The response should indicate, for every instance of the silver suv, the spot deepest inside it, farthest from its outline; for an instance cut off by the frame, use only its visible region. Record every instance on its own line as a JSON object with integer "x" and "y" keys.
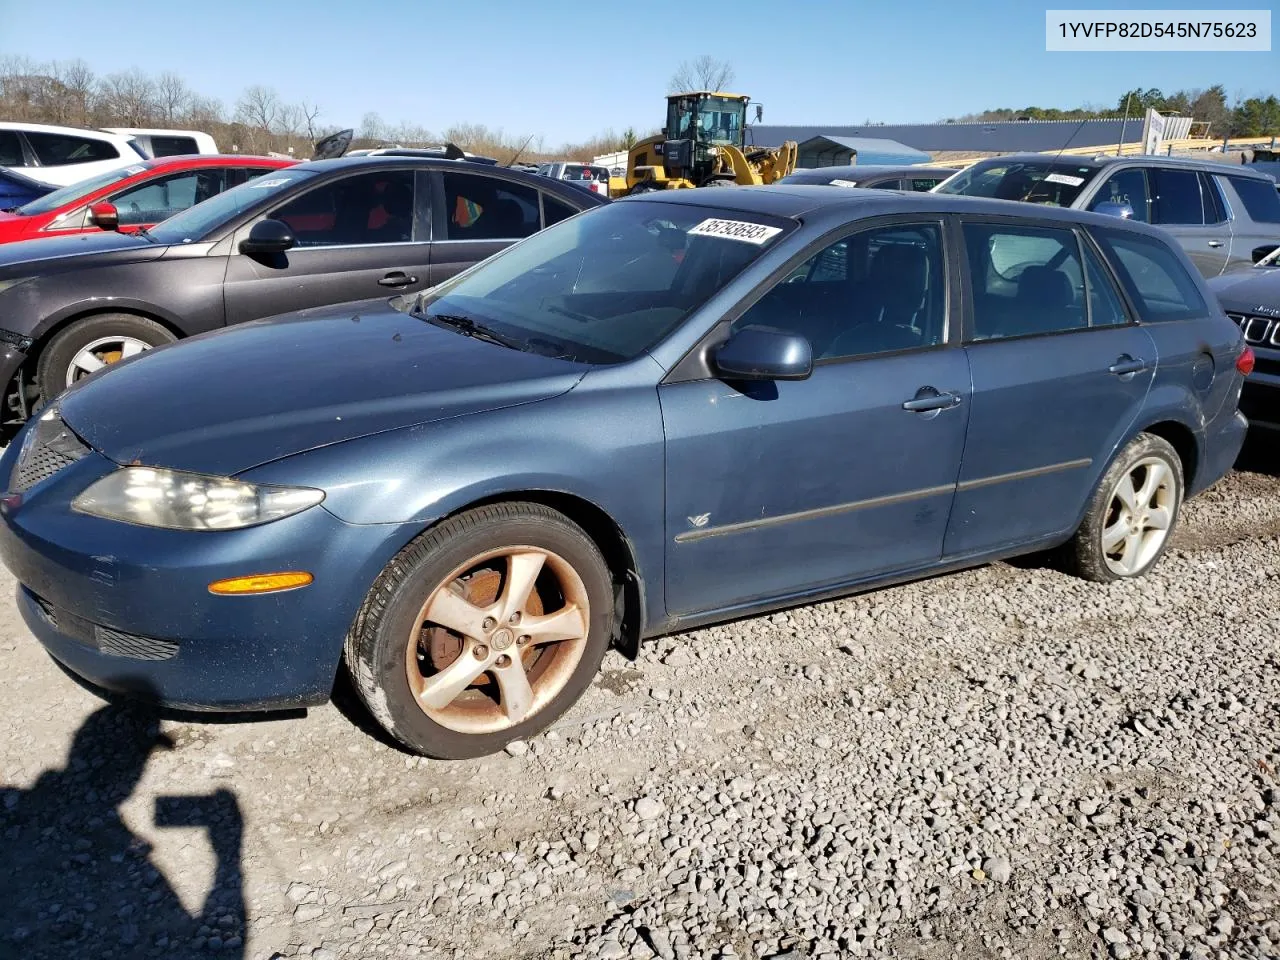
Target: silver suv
{"x": 1226, "y": 216}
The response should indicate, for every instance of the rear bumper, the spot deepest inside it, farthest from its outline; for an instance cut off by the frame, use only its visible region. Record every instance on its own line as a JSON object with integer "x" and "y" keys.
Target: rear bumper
{"x": 128, "y": 608}
{"x": 1222, "y": 448}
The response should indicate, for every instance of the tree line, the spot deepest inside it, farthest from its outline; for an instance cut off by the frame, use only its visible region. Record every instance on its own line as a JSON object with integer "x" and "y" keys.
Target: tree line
{"x": 1257, "y": 116}
{"x": 69, "y": 93}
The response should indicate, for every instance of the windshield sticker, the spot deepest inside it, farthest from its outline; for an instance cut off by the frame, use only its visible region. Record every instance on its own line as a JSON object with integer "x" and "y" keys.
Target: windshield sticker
{"x": 843, "y": 183}
{"x": 1070, "y": 181}
{"x": 273, "y": 182}
{"x": 756, "y": 233}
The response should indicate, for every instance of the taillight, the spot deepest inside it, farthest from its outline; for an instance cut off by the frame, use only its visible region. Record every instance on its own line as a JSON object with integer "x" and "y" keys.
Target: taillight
{"x": 1244, "y": 362}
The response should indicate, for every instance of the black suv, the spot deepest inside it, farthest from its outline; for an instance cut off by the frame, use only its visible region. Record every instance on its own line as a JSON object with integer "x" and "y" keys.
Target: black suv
{"x": 315, "y": 234}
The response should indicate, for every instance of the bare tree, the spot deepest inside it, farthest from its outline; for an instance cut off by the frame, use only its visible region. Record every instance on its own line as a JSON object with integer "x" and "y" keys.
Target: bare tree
{"x": 702, "y": 73}
{"x": 372, "y": 127}
{"x": 310, "y": 111}
{"x": 129, "y": 97}
{"x": 258, "y": 109}
{"x": 79, "y": 83}
{"x": 173, "y": 97}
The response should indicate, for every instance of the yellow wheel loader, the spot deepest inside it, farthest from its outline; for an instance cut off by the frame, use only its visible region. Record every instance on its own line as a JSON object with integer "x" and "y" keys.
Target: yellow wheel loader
{"x": 703, "y": 145}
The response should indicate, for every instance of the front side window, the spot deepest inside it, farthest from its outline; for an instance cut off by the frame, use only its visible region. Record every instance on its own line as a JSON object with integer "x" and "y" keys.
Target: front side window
{"x": 1030, "y": 181}
{"x": 162, "y": 198}
{"x": 365, "y": 208}
{"x": 488, "y": 208}
{"x": 1125, "y": 187}
{"x": 77, "y": 191}
{"x": 1153, "y": 276}
{"x": 608, "y": 285}
{"x": 1025, "y": 280}
{"x": 1178, "y": 199}
{"x": 877, "y": 291}
{"x": 59, "y": 149}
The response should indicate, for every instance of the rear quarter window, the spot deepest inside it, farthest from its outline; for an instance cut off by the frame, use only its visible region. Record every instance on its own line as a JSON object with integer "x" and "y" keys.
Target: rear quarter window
{"x": 1261, "y": 199}
{"x": 1153, "y": 276}
{"x": 56, "y": 149}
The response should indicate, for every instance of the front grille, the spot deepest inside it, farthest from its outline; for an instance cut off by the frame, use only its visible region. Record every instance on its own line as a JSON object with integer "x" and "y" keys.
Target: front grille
{"x": 50, "y": 448}
{"x": 1258, "y": 331}
{"x": 114, "y": 643}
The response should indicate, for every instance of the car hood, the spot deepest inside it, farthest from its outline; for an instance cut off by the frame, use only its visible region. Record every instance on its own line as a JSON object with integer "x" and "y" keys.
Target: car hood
{"x": 1255, "y": 291}
{"x": 227, "y": 401}
{"x": 106, "y": 245}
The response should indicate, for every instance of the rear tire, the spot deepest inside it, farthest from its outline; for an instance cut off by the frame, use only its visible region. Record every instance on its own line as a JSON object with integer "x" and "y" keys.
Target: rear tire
{"x": 448, "y": 657}
{"x": 89, "y": 344}
{"x": 1132, "y": 514}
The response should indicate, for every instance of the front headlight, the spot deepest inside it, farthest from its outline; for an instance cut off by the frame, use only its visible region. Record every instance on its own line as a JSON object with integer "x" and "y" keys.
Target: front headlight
{"x": 175, "y": 500}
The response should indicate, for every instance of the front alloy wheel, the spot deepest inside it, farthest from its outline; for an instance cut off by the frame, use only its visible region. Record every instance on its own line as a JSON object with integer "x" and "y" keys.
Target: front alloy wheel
{"x": 482, "y": 631}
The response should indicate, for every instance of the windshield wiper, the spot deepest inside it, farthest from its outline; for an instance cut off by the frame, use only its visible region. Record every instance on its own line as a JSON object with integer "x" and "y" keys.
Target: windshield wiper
{"x": 469, "y": 328}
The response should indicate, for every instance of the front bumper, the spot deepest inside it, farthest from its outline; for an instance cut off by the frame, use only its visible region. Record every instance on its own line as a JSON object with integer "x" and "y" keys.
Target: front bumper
{"x": 128, "y": 608}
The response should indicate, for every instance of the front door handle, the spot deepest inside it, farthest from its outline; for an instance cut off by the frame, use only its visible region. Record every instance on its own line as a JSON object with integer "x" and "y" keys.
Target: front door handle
{"x": 927, "y": 399}
{"x": 1215, "y": 243}
{"x": 1127, "y": 366}
{"x": 397, "y": 279}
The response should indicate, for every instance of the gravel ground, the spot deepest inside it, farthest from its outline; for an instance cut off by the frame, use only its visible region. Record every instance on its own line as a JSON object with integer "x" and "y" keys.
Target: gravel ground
{"x": 1006, "y": 762}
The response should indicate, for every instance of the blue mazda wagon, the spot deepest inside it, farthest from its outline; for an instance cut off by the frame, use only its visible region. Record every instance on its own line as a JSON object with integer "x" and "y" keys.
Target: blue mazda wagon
{"x": 672, "y": 410}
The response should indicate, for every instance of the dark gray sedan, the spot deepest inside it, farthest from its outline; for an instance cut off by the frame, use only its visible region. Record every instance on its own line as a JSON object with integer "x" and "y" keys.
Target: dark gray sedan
{"x": 881, "y": 177}
{"x": 309, "y": 235}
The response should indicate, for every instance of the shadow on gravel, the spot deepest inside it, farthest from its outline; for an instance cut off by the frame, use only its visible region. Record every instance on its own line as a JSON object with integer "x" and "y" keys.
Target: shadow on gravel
{"x": 77, "y": 882}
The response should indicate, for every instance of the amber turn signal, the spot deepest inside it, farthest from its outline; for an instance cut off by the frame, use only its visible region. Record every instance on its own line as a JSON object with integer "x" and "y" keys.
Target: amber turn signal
{"x": 262, "y": 583}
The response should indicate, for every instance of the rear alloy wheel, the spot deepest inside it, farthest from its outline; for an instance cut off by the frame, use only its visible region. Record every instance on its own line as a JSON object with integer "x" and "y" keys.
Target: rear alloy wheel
{"x": 88, "y": 345}
{"x": 483, "y": 631}
{"x": 1132, "y": 513}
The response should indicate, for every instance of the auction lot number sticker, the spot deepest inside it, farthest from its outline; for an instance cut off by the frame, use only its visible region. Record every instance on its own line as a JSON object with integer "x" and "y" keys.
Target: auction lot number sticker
{"x": 756, "y": 233}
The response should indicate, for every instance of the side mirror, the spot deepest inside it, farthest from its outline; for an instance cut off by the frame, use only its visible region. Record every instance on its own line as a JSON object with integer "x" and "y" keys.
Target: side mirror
{"x": 104, "y": 215}
{"x": 267, "y": 236}
{"x": 1110, "y": 209}
{"x": 762, "y": 353}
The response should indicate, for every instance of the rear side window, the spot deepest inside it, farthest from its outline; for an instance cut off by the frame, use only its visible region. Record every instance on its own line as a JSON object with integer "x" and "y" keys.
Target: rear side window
{"x": 173, "y": 146}
{"x": 555, "y": 210}
{"x": 1260, "y": 199}
{"x": 1178, "y": 199}
{"x": 10, "y": 150}
{"x": 1025, "y": 280}
{"x": 487, "y": 208}
{"x": 56, "y": 149}
{"x": 1153, "y": 276}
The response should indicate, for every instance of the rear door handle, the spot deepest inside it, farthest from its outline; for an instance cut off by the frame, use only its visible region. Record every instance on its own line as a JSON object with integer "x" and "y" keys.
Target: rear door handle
{"x": 926, "y": 401}
{"x": 1127, "y": 366}
{"x": 397, "y": 279}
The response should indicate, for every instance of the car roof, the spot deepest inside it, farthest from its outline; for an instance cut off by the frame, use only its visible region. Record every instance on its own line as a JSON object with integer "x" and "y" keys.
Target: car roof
{"x": 430, "y": 163}
{"x": 798, "y": 201}
{"x": 70, "y": 131}
{"x": 1100, "y": 161}
{"x": 215, "y": 160}
{"x": 854, "y": 170}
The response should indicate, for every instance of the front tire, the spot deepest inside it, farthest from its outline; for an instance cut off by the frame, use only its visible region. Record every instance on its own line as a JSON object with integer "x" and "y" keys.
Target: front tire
{"x": 1132, "y": 513}
{"x": 484, "y": 630}
{"x": 88, "y": 345}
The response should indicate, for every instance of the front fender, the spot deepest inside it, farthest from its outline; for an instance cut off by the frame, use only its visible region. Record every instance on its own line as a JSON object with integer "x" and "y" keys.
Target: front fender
{"x": 604, "y": 447}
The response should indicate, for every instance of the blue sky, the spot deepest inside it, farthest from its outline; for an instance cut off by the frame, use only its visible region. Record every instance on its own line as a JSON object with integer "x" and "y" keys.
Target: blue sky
{"x": 568, "y": 70}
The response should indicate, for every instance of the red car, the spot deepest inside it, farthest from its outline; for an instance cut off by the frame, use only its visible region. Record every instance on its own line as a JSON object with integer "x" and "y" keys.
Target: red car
{"x": 140, "y": 195}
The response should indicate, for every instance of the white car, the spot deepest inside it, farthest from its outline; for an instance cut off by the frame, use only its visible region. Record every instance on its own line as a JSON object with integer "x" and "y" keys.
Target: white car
{"x": 168, "y": 143}
{"x": 64, "y": 155}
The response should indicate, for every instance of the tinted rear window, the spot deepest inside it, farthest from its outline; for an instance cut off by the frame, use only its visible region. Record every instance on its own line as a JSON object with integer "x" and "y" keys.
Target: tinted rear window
{"x": 1260, "y": 199}
{"x": 1153, "y": 276}
{"x": 173, "y": 146}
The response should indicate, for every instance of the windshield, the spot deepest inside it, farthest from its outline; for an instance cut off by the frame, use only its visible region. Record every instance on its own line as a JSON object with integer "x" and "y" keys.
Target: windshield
{"x": 70, "y": 194}
{"x": 1031, "y": 181}
{"x": 720, "y": 120}
{"x": 607, "y": 285}
{"x": 196, "y": 222}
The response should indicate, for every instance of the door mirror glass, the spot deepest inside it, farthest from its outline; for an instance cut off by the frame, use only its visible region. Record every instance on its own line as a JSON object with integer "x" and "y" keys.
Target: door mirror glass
{"x": 762, "y": 353}
{"x": 1111, "y": 209}
{"x": 267, "y": 236}
{"x": 104, "y": 216}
